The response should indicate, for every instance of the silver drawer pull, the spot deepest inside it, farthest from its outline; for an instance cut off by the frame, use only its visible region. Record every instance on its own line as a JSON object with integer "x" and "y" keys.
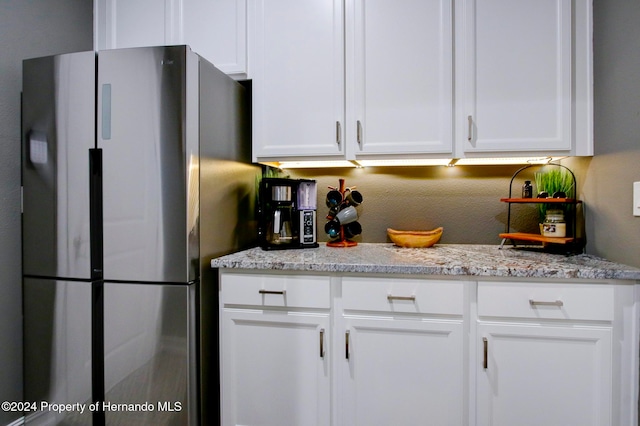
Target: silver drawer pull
{"x": 391, "y": 298}
{"x": 534, "y": 303}
{"x": 322, "y": 343}
{"x": 282, "y": 292}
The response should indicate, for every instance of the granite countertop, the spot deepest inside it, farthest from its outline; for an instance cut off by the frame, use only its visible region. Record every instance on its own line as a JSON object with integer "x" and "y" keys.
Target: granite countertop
{"x": 441, "y": 259}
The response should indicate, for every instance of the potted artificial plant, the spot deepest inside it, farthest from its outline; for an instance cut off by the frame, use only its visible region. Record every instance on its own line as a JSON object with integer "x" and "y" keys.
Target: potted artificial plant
{"x": 555, "y": 182}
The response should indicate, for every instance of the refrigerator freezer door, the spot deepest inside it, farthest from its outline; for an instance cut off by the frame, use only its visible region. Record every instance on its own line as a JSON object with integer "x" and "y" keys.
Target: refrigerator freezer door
{"x": 57, "y": 349}
{"x": 150, "y": 354}
{"x": 150, "y": 165}
{"x": 58, "y": 98}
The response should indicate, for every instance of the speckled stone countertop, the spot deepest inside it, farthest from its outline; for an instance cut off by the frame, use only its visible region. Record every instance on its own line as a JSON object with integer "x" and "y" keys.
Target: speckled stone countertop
{"x": 441, "y": 259}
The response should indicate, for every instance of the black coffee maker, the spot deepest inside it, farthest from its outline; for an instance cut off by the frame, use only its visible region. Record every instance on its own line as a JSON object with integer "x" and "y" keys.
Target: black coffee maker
{"x": 287, "y": 213}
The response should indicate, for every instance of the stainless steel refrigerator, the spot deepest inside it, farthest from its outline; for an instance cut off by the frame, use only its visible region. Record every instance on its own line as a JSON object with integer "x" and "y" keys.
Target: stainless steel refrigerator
{"x": 136, "y": 172}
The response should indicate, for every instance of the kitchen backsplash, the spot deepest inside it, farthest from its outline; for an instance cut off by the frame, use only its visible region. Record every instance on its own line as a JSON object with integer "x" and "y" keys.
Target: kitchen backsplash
{"x": 465, "y": 200}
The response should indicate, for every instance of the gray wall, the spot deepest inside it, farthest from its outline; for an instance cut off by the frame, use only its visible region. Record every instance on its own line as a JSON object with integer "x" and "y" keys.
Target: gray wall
{"x": 28, "y": 28}
{"x": 464, "y": 200}
{"x": 615, "y": 233}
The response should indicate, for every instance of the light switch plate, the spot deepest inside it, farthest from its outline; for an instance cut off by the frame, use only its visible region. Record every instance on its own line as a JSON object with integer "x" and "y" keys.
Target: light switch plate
{"x": 636, "y": 198}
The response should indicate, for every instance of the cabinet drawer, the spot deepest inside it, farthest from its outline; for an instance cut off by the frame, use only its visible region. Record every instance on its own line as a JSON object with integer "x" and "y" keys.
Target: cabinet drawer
{"x": 546, "y": 300}
{"x": 403, "y": 295}
{"x": 297, "y": 291}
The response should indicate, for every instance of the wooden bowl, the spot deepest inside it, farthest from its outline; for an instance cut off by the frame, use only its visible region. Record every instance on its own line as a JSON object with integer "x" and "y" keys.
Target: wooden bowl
{"x": 415, "y": 239}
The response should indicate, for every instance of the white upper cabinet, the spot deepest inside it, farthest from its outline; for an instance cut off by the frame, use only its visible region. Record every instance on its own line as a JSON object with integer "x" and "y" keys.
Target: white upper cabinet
{"x": 521, "y": 77}
{"x": 215, "y": 29}
{"x": 297, "y": 54}
{"x": 392, "y": 95}
{"x": 379, "y": 79}
{"x": 420, "y": 78}
{"x": 122, "y": 23}
{"x": 400, "y": 74}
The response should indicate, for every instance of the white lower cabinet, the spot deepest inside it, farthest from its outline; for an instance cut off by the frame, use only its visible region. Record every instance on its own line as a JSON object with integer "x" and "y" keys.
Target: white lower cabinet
{"x": 537, "y": 375}
{"x": 274, "y": 350}
{"x": 403, "y": 372}
{"x": 362, "y": 350}
{"x": 546, "y": 354}
{"x": 404, "y": 351}
{"x": 274, "y": 373}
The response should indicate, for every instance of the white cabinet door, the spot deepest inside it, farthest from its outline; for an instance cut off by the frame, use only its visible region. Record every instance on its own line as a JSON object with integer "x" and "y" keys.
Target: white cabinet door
{"x": 400, "y": 70}
{"x": 516, "y": 76}
{"x": 274, "y": 346}
{"x": 131, "y": 23}
{"x": 400, "y": 349}
{"x": 274, "y": 368}
{"x": 298, "y": 78}
{"x": 403, "y": 372}
{"x": 215, "y": 29}
{"x": 521, "y": 83}
{"x": 544, "y": 375}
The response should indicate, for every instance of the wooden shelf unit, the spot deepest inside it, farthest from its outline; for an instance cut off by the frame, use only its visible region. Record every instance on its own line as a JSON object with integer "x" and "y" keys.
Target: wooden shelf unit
{"x": 523, "y": 236}
{"x": 541, "y": 200}
{"x": 529, "y": 237}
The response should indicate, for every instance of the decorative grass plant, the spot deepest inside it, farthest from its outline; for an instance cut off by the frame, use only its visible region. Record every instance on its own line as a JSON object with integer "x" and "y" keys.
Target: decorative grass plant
{"x": 551, "y": 181}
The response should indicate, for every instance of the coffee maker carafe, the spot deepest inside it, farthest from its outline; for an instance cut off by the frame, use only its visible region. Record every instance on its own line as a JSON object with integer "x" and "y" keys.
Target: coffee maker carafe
{"x": 280, "y": 227}
{"x": 287, "y": 213}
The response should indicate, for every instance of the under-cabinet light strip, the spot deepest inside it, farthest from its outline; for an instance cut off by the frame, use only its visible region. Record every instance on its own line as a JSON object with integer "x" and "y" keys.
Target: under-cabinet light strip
{"x": 413, "y": 162}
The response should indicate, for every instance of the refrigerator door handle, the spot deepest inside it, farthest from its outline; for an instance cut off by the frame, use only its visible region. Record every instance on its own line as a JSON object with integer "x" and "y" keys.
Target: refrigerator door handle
{"x": 95, "y": 212}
